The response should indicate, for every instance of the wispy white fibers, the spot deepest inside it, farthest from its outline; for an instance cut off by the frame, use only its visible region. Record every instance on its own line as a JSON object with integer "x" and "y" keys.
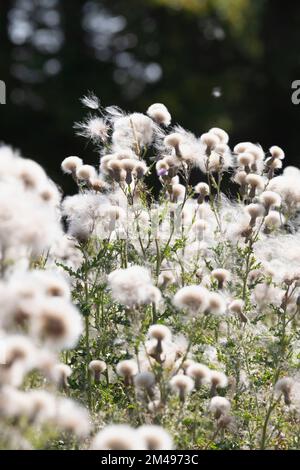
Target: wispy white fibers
{"x": 133, "y": 286}
{"x": 28, "y": 224}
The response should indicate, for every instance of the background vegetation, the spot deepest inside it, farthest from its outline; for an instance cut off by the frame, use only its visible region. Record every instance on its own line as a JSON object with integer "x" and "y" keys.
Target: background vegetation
{"x": 228, "y": 63}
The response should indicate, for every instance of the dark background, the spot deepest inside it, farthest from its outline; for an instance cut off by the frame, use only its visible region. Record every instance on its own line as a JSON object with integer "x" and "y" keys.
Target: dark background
{"x": 132, "y": 53}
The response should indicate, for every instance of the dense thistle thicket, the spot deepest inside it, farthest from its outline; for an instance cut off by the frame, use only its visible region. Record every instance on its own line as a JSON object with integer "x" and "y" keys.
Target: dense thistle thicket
{"x": 154, "y": 321}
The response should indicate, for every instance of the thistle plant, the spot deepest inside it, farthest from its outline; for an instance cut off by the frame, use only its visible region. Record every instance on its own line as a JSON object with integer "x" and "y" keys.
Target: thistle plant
{"x": 158, "y": 307}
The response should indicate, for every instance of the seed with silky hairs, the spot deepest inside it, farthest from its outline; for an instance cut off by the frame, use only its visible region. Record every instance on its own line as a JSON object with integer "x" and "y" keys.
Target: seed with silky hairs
{"x": 60, "y": 374}
{"x": 71, "y": 164}
{"x": 174, "y": 140}
{"x": 236, "y": 307}
{"x": 222, "y": 276}
{"x": 156, "y": 437}
{"x": 217, "y": 380}
{"x": 199, "y": 372}
{"x": 183, "y": 385}
{"x": 202, "y": 189}
{"x": 284, "y": 386}
{"x": 97, "y": 368}
{"x": 127, "y": 369}
{"x": 219, "y": 406}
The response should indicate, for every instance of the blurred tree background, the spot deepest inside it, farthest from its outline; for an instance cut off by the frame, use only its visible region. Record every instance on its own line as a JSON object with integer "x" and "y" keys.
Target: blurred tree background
{"x": 227, "y": 63}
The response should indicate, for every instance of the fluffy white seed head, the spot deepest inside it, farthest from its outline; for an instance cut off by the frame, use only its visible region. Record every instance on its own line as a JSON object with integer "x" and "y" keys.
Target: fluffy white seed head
{"x": 255, "y": 181}
{"x": 236, "y": 306}
{"x": 245, "y": 159}
{"x": 270, "y": 199}
{"x": 173, "y": 140}
{"x": 178, "y": 192}
{"x": 166, "y": 278}
{"x": 200, "y": 373}
{"x": 133, "y": 286}
{"x": 216, "y": 304}
{"x": 219, "y": 406}
{"x": 60, "y": 374}
{"x": 182, "y": 384}
{"x": 85, "y": 172}
{"x": 160, "y": 332}
{"x": 118, "y": 437}
{"x": 202, "y": 189}
{"x": 255, "y": 210}
{"x": 242, "y": 147}
{"x": 159, "y": 113}
{"x": 284, "y": 386}
{"x": 221, "y": 275}
{"x": 273, "y": 220}
{"x": 210, "y": 140}
{"x": 127, "y": 368}
{"x": 240, "y": 178}
{"x": 97, "y": 366}
{"x": 193, "y": 298}
{"x": 144, "y": 380}
{"x": 221, "y": 134}
{"x": 71, "y": 164}
{"x": 277, "y": 152}
{"x": 57, "y": 323}
{"x": 218, "y": 379}
{"x": 155, "y": 437}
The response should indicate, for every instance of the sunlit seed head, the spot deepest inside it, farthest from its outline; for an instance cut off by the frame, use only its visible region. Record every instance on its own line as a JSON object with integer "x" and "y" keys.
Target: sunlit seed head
{"x": 58, "y": 323}
{"x": 91, "y": 101}
{"x": 184, "y": 365}
{"x": 242, "y": 147}
{"x": 245, "y": 159}
{"x": 60, "y": 375}
{"x": 85, "y": 172}
{"x": 220, "y": 133}
{"x": 177, "y": 192}
{"x": 97, "y": 368}
{"x": 160, "y": 332}
{"x": 218, "y": 380}
{"x": 159, "y": 113}
{"x": 144, "y": 380}
{"x": 118, "y": 437}
{"x": 284, "y": 386}
{"x": 270, "y": 199}
{"x": 127, "y": 369}
{"x": 202, "y": 189}
{"x": 155, "y": 437}
{"x": 200, "y": 373}
{"x": 255, "y": 180}
{"x": 210, "y": 140}
{"x": 166, "y": 278}
{"x": 173, "y": 140}
{"x": 255, "y": 210}
{"x": 236, "y": 306}
{"x": 240, "y": 178}
{"x": 140, "y": 170}
{"x": 193, "y": 298}
{"x": 72, "y": 418}
{"x": 219, "y": 406}
{"x": 98, "y": 185}
{"x": 221, "y": 275}
{"x": 71, "y": 164}
{"x": 182, "y": 385}
{"x": 216, "y": 304}
{"x": 277, "y": 152}
{"x": 273, "y": 220}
